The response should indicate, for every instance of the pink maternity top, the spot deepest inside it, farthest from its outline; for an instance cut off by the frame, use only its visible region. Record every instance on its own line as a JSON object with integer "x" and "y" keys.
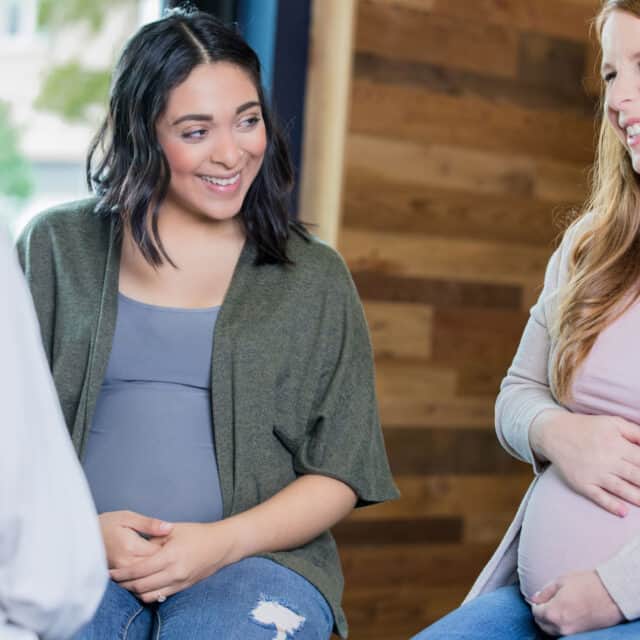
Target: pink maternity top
{"x": 562, "y": 531}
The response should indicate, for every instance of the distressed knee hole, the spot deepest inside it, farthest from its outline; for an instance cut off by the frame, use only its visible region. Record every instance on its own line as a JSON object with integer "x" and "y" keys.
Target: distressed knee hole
{"x": 275, "y": 615}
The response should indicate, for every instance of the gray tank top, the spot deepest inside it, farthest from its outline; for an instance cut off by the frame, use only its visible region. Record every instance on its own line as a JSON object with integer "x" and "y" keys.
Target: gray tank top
{"x": 150, "y": 448}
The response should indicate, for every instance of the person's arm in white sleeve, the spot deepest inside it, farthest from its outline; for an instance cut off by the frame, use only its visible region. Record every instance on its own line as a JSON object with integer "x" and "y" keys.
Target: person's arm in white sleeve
{"x": 52, "y": 565}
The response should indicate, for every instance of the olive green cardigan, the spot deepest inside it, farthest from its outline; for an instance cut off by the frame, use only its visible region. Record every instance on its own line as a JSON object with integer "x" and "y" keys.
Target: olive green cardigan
{"x": 292, "y": 375}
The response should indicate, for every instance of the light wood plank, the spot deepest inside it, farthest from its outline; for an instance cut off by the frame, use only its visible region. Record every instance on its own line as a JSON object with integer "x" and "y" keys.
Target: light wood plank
{"x": 325, "y": 117}
{"x": 428, "y": 257}
{"x": 400, "y": 330}
{"x": 466, "y": 169}
{"x": 377, "y": 204}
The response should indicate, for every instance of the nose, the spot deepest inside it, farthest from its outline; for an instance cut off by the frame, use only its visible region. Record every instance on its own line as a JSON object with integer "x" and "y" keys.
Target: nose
{"x": 226, "y": 150}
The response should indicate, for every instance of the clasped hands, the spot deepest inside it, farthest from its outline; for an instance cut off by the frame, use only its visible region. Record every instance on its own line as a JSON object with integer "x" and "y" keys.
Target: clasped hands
{"x": 170, "y": 558}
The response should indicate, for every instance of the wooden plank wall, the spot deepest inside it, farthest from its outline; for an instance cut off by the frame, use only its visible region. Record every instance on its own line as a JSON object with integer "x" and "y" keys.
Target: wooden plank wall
{"x": 471, "y": 128}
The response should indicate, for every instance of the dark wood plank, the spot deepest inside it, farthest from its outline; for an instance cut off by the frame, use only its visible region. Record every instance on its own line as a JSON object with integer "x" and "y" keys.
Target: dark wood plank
{"x": 468, "y": 496}
{"x": 431, "y": 530}
{"x": 460, "y": 82}
{"x": 564, "y": 18}
{"x": 454, "y": 565}
{"x": 436, "y": 451}
{"x": 484, "y": 336}
{"x": 437, "y": 292}
{"x": 397, "y": 612}
{"x": 398, "y": 33}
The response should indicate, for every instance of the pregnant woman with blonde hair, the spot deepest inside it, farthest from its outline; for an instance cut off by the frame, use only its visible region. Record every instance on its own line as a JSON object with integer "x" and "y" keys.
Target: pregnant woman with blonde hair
{"x": 569, "y": 564}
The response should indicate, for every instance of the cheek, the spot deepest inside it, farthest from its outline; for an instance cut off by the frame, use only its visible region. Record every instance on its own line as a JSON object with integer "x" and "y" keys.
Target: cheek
{"x": 612, "y": 116}
{"x": 257, "y": 144}
{"x": 179, "y": 156}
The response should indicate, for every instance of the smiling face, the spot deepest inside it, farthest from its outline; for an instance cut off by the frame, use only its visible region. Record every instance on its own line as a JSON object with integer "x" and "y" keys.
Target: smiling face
{"x": 214, "y": 138}
{"x": 621, "y": 74}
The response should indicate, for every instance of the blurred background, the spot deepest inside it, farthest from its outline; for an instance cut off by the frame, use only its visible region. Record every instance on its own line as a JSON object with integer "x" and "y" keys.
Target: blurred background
{"x": 440, "y": 145}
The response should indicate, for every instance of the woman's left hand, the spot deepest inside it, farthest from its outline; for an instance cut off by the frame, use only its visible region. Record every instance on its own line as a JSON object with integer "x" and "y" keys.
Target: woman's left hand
{"x": 192, "y": 552}
{"x": 574, "y": 603}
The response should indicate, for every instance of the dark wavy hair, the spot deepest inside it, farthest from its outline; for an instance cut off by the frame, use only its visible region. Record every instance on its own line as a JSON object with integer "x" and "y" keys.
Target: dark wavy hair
{"x": 131, "y": 177}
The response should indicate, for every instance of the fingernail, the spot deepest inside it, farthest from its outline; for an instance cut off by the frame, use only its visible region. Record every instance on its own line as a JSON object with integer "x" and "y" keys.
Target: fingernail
{"x": 622, "y": 512}
{"x": 165, "y": 526}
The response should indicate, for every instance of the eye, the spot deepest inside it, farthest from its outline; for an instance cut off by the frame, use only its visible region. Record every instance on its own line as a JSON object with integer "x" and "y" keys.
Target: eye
{"x": 196, "y": 134}
{"x": 609, "y": 76}
{"x": 250, "y": 122}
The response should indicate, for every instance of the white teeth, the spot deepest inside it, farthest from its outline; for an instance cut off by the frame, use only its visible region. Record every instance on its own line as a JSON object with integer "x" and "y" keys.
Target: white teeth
{"x": 222, "y": 182}
{"x": 633, "y": 130}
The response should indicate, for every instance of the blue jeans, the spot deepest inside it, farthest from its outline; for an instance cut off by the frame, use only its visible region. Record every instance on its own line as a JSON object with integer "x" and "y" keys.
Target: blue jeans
{"x": 505, "y": 615}
{"x": 254, "y": 599}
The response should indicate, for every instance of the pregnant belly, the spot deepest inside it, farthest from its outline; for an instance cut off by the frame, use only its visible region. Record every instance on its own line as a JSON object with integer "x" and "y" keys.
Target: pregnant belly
{"x": 150, "y": 450}
{"x": 564, "y": 532}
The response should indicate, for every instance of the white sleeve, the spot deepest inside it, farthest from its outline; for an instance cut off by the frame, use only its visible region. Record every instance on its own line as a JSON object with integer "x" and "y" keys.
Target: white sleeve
{"x": 52, "y": 563}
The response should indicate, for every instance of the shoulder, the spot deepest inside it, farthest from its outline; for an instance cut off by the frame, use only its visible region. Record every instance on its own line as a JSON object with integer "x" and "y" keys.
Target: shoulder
{"x": 79, "y": 214}
{"x": 561, "y": 260}
{"x": 314, "y": 257}
{"x": 316, "y": 282}
{"x": 68, "y": 226}
{"x": 581, "y": 225}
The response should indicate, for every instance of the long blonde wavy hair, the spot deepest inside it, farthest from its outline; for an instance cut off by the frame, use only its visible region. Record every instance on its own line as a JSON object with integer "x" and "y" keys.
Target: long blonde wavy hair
{"x": 604, "y": 266}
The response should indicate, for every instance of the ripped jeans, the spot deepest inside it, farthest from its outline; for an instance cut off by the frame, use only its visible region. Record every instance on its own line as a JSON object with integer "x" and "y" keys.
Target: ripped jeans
{"x": 254, "y": 599}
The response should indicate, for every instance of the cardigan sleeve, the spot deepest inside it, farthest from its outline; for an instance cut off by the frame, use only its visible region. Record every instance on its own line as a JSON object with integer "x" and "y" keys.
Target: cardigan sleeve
{"x": 343, "y": 438}
{"x": 525, "y": 391}
{"x": 36, "y": 256}
{"x": 620, "y": 574}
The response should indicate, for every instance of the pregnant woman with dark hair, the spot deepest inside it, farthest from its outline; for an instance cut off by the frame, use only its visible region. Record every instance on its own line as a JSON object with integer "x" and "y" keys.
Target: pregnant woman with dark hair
{"x": 211, "y": 357}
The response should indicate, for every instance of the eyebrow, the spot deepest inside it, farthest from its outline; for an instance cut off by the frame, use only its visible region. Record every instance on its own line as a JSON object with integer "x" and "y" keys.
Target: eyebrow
{"x": 203, "y": 117}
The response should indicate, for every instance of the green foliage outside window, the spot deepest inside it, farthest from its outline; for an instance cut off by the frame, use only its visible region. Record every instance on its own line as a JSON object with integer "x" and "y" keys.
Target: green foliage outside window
{"x": 16, "y": 183}
{"x": 71, "y": 90}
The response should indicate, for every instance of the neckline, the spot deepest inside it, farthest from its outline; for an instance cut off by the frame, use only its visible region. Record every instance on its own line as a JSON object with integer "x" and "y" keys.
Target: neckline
{"x": 157, "y": 307}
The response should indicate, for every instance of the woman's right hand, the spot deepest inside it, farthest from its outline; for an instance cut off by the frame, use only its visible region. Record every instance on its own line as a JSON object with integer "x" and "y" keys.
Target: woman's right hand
{"x": 598, "y": 456}
{"x": 122, "y": 540}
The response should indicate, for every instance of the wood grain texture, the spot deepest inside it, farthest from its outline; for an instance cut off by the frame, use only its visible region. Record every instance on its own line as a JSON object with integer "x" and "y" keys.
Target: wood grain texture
{"x": 471, "y": 134}
{"x": 400, "y": 33}
{"x": 450, "y": 213}
{"x": 459, "y": 82}
{"x": 466, "y": 169}
{"x": 567, "y": 19}
{"x": 467, "y": 121}
{"x": 440, "y": 292}
{"x": 416, "y": 256}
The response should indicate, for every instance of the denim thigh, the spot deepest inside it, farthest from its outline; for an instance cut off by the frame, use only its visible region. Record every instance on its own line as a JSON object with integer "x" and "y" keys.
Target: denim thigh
{"x": 254, "y": 599}
{"x": 120, "y": 616}
{"x": 500, "y": 615}
{"x": 624, "y": 631}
